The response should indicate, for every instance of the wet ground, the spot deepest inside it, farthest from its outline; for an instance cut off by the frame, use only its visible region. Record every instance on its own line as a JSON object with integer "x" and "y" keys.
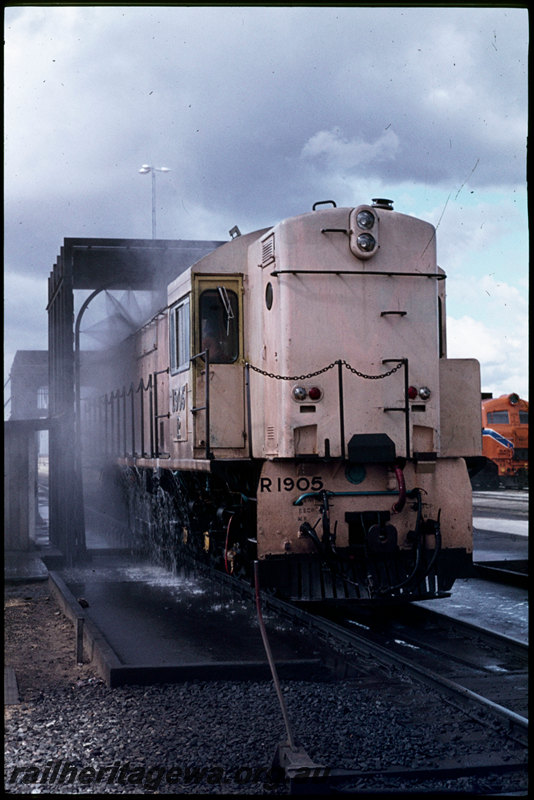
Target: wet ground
{"x": 497, "y": 607}
{"x": 152, "y": 617}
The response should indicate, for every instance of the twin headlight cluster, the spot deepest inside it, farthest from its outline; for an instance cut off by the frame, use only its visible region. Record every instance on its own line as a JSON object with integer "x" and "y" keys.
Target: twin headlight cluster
{"x": 363, "y": 232}
{"x": 365, "y": 221}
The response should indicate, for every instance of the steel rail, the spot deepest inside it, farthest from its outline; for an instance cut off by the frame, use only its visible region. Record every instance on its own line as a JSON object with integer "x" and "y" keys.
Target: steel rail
{"x": 304, "y": 776}
{"x": 463, "y": 698}
{"x": 516, "y": 724}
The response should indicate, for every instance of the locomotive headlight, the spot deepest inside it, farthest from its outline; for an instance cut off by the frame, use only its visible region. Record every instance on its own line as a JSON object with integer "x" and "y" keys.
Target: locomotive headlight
{"x": 366, "y": 242}
{"x": 514, "y": 399}
{"x": 364, "y": 232}
{"x": 365, "y": 220}
{"x": 300, "y": 393}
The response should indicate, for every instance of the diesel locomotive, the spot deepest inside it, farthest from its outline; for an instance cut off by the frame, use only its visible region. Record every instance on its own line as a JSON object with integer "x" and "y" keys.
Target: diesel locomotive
{"x": 504, "y": 443}
{"x": 293, "y": 404}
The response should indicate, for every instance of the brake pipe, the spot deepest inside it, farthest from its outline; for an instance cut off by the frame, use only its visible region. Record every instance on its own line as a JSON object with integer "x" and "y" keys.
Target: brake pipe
{"x": 418, "y": 552}
{"x": 437, "y": 547}
{"x": 307, "y": 530}
{"x": 399, "y": 505}
{"x": 320, "y": 495}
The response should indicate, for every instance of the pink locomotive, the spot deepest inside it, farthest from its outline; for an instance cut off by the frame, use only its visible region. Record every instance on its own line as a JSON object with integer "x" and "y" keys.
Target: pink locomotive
{"x": 293, "y": 404}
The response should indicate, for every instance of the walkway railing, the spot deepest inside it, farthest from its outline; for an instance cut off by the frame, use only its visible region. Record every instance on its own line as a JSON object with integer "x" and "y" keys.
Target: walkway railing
{"x": 125, "y": 422}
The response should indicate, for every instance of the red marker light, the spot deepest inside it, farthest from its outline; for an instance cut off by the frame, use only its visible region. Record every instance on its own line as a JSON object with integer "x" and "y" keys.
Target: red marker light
{"x": 412, "y": 392}
{"x": 314, "y": 393}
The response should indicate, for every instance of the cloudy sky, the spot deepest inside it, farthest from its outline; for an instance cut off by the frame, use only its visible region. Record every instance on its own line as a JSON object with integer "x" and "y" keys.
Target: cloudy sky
{"x": 259, "y": 112}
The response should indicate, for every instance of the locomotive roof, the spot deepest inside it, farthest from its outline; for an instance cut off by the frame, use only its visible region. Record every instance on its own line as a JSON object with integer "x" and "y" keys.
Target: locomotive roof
{"x": 504, "y": 401}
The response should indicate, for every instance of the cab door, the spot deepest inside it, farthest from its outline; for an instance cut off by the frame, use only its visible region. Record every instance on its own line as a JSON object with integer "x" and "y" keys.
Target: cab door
{"x": 218, "y": 331}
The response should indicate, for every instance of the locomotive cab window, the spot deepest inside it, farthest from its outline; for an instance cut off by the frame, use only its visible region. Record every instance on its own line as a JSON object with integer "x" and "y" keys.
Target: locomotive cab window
{"x": 498, "y": 417}
{"x": 179, "y": 332}
{"x": 219, "y": 324}
{"x": 523, "y": 417}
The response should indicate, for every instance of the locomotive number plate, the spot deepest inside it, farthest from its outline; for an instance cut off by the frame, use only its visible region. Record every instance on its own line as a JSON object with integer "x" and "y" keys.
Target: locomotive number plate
{"x": 287, "y": 484}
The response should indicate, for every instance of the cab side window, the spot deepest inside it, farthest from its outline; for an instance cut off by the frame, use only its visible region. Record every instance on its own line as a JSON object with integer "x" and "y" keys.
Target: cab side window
{"x": 179, "y": 332}
{"x": 219, "y": 325}
{"x": 499, "y": 417}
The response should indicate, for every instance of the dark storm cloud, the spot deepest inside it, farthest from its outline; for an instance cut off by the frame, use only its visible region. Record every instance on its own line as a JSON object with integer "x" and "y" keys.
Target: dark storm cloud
{"x": 265, "y": 84}
{"x": 258, "y": 111}
{"x": 232, "y": 95}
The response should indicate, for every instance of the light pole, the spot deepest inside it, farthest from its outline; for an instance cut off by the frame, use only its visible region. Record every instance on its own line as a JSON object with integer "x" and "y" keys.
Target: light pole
{"x": 144, "y": 170}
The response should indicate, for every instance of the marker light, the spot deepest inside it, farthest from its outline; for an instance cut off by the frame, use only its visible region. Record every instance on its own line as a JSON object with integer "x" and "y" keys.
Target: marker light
{"x": 424, "y": 392}
{"x": 299, "y": 393}
{"x": 412, "y": 392}
{"x": 314, "y": 393}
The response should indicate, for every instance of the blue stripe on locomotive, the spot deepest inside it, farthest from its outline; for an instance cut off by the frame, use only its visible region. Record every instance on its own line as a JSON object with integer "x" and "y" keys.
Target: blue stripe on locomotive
{"x": 498, "y": 437}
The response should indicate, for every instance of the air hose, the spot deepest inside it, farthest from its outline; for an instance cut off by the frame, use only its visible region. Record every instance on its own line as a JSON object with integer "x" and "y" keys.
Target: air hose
{"x": 399, "y": 505}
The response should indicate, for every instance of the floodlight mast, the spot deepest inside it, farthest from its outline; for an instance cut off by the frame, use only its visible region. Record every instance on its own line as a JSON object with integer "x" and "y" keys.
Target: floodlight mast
{"x": 146, "y": 168}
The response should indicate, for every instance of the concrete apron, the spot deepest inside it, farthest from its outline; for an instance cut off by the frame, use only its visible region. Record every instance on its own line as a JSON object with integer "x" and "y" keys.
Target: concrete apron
{"x": 137, "y": 633}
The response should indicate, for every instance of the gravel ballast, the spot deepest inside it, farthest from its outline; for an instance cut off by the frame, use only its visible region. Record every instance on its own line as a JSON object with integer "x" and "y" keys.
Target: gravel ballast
{"x": 74, "y": 735}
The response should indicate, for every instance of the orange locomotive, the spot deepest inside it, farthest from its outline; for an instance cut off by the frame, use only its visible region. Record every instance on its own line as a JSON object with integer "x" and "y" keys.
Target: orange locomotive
{"x": 504, "y": 443}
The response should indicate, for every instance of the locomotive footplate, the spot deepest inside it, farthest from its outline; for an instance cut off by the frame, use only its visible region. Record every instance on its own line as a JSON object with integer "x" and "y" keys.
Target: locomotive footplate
{"x": 306, "y": 580}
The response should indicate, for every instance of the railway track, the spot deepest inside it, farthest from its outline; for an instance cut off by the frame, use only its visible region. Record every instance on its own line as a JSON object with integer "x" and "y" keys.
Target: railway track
{"x": 482, "y": 672}
{"x": 465, "y": 660}
{"x": 450, "y": 663}
{"x": 510, "y": 573}
{"x": 509, "y": 502}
